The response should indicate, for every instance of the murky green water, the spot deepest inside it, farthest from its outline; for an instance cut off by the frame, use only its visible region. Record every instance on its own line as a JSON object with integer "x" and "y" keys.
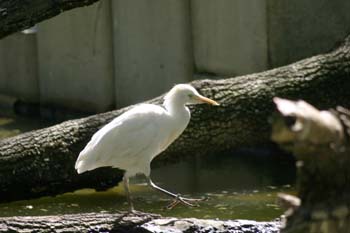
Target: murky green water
{"x": 240, "y": 185}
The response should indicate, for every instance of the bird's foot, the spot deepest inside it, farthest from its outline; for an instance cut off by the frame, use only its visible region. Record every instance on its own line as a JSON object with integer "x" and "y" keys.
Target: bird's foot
{"x": 138, "y": 217}
{"x": 192, "y": 202}
{"x": 135, "y": 212}
{"x": 132, "y": 212}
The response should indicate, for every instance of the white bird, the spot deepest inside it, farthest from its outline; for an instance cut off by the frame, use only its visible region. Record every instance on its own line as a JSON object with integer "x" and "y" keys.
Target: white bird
{"x": 133, "y": 139}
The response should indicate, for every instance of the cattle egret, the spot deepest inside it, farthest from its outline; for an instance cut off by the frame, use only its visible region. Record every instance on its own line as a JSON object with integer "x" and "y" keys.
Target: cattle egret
{"x": 133, "y": 139}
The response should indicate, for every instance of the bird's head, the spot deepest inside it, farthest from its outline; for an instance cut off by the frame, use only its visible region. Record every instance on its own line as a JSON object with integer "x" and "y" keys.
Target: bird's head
{"x": 187, "y": 95}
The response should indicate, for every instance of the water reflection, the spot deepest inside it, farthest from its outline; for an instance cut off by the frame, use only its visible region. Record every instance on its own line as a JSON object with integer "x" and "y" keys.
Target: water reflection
{"x": 238, "y": 171}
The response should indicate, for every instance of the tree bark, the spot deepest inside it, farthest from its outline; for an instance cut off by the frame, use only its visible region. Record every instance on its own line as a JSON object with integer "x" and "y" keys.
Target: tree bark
{"x": 42, "y": 162}
{"x": 16, "y": 15}
{"x": 320, "y": 142}
{"x": 122, "y": 222}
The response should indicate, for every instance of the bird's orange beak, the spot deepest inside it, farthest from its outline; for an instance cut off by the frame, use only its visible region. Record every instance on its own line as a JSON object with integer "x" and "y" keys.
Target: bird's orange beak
{"x": 207, "y": 100}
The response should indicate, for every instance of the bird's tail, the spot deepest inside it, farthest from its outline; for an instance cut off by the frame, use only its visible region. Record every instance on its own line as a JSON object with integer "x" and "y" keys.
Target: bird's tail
{"x": 79, "y": 165}
{"x": 84, "y": 162}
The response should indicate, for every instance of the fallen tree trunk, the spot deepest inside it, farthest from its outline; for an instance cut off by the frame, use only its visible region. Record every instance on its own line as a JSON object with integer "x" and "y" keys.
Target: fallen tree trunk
{"x": 42, "y": 162}
{"x": 320, "y": 140}
{"x": 121, "y": 222}
{"x": 16, "y": 15}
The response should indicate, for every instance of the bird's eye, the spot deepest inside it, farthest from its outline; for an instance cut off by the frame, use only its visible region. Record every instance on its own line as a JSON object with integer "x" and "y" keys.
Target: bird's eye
{"x": 190, "y": 96}
{"x": 290, "y": 120}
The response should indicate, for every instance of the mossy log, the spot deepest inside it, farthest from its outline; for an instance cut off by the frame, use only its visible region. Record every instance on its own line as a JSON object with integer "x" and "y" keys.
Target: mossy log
{"x": 123, "y": 222}
{"x": 41, "y": 162}
{"x": 320, "y": 142}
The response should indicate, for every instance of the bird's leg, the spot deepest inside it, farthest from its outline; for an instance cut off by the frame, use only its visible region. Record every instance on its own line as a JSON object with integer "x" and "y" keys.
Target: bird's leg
{"x": 128, "y": 196}
{"x": 177, "y": 197}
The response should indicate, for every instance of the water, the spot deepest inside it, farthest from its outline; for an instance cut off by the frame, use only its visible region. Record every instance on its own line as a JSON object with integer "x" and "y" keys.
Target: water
{"x": 240, "y": 185}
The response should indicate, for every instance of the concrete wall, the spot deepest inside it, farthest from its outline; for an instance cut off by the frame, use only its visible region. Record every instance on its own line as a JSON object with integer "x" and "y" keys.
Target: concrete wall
{"x": 76, "y": 59}
{"x": 229, "y": 36}
{"x": 18, "y": 67}
{"x": 299, "y": 28}
{"x": 121, "y": 52}
{"x": 152, "y": 48}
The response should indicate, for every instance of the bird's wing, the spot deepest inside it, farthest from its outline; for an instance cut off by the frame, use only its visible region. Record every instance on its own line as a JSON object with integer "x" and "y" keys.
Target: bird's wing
{"x": 121, "y": 142}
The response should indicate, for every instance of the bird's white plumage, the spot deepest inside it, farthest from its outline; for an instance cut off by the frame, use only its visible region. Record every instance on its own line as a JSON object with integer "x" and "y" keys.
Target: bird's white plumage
{"x": 132, "y": 140}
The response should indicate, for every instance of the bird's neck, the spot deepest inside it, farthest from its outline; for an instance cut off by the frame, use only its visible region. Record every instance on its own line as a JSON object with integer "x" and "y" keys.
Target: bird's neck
{"x": 175, "y": 106}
